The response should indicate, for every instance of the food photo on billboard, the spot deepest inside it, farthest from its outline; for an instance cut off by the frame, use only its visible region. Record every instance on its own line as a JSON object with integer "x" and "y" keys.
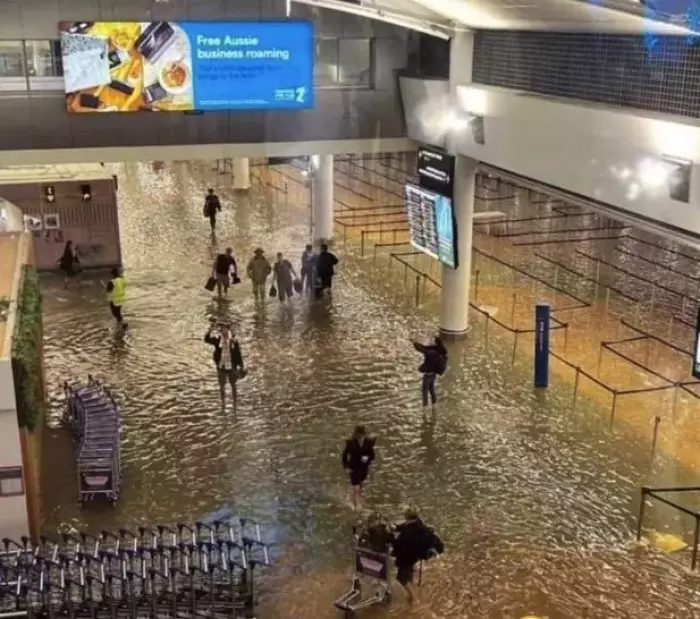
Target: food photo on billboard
{"x": 187, "y": 66}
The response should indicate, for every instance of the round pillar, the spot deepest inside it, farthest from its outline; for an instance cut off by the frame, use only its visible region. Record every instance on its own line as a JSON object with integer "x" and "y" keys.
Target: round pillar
{"x": 322, "y": 198}
{"x": 241, "y": 173}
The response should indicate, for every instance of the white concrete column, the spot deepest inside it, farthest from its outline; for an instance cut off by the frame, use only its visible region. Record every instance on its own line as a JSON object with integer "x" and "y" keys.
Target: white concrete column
{"x": 241, "y": 173}
{"x": 454, "y": 298}
{"x": 322, "y": 198}
{"x": 522, "y": 197}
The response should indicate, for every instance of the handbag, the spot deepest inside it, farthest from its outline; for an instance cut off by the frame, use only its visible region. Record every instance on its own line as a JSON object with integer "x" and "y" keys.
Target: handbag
{"x": 273, "y": 291}
{"x": 298, "y": 286}
{"x": 211, "y": 284}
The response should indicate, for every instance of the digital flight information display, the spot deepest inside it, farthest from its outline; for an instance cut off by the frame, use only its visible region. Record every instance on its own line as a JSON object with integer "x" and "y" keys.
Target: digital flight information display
{"x": 431, "y": 223}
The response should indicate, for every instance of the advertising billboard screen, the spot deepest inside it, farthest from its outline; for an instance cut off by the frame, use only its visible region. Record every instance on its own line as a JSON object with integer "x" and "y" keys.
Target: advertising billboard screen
{"x": 183, "y": 66}
{"x": 431, "y": 223}
{"x": 695, "y": 369}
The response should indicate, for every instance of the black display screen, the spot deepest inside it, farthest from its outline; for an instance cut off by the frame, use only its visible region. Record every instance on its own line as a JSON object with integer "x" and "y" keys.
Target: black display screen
{"x": 436, "y": 170}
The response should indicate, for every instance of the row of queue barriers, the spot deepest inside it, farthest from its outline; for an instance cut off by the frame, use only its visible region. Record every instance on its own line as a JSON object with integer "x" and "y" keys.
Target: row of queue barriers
{"x": 182, "y": 572}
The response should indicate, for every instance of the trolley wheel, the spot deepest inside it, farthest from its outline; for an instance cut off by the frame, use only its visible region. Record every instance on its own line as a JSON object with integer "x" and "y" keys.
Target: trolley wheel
{"x": 387, "y": 598}
{"x": 349, "y": 614}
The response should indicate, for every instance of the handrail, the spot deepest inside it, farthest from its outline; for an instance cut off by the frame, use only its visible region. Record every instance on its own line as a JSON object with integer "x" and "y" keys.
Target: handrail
{"x": 609, "y": 346}
{"x": 655, "y": 337}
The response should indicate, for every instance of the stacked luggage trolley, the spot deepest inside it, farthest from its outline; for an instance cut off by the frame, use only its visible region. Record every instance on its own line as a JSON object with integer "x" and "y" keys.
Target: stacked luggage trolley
{"x": 93, "y": 416}
{"x": 181, "y": 572}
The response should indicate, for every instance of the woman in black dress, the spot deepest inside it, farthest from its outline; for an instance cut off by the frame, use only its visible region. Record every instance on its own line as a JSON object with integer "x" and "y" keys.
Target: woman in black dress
{"x": 68, "y": 262}
{"x": 357, "y": 457}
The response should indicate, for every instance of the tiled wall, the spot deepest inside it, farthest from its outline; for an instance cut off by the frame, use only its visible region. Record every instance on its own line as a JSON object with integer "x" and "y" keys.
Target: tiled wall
{"x": 40, "y": 121}
{"x": 651, "y": 73}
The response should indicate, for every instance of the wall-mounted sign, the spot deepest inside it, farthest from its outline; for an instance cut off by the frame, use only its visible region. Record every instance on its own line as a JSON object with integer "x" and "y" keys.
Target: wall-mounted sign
{"x": 185, "y": 66}
{"x": 436, "y": 170}
{"x": 432, "y": 224}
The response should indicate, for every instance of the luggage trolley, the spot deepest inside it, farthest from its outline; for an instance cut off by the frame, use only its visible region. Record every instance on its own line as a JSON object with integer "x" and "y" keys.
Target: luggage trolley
{"x": 92, "y": 414}
{"x": 370, "y": 582}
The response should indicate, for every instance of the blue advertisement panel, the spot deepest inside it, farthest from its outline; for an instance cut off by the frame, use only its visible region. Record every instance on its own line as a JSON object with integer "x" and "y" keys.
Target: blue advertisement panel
{"x": 183, "y": 66}
{"x": 446, "y": 231}
{"x": 542, "y": 345}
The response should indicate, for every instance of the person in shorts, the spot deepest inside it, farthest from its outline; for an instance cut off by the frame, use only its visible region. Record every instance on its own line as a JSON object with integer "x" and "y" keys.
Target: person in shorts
{"x": 223, "y": 270}
{"x": 357, "y": 457}
{"x": 228, "y": 359}
{"x": 413, "y": 542}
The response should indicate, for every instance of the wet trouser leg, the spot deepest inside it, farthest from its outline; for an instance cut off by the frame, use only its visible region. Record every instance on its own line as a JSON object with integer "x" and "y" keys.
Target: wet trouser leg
{"x": 212, "y": 221}
{"x": 428, "y": 389}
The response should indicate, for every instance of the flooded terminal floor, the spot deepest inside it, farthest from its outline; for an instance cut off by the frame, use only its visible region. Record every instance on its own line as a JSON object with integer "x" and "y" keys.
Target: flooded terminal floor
{"x": 536, "y": 504}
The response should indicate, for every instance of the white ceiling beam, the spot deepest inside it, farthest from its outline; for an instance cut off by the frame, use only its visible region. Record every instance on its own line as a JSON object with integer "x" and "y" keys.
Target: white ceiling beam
{"x": 442, "y": 31}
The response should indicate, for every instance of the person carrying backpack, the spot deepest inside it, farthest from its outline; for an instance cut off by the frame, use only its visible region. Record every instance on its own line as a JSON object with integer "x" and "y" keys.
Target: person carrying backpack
{"x": 212, "y": 206}
{"x": 413, "y": 542}
{"x": 434, "y": 364}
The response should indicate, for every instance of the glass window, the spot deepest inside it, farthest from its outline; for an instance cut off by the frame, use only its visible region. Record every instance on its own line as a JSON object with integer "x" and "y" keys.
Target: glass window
{"x": 11, "y": 483}
{"x": 43, "y": 58}
{"x": 355, "y": 62}
{"x": 11, "y": 59}
{"x": 326, "y": 65}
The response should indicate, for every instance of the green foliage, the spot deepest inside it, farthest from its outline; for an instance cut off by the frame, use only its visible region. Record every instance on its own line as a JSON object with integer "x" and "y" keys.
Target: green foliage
{"x": 4, "y": 306}
{"x": 26, "y": 352}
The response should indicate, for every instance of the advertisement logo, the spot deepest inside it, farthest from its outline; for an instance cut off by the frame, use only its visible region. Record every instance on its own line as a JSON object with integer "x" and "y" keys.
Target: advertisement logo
{"x": 183, "y": 66}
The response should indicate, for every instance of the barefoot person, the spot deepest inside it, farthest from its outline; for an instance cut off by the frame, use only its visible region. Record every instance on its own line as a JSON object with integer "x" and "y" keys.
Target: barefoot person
{"x": 434, "y": 364}
{"x": 413, "y": 542}
{"x": 357, "y": 457}
{"x": 227, "y": 359}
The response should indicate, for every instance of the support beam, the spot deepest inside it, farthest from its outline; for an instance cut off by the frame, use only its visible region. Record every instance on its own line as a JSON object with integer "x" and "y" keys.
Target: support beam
{"x": 322, "y": 198}
{"x": 241, "y": 173}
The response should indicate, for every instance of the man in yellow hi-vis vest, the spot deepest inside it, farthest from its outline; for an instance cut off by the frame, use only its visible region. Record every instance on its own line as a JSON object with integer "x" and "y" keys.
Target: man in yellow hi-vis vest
{"x": 116, "y": 295}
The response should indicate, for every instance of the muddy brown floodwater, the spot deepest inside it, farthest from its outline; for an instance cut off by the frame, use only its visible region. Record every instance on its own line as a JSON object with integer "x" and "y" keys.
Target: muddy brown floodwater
{"x": 536, "y": 506}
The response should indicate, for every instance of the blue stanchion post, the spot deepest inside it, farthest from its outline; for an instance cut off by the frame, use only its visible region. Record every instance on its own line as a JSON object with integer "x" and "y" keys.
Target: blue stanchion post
{"x": 542, "y": 345}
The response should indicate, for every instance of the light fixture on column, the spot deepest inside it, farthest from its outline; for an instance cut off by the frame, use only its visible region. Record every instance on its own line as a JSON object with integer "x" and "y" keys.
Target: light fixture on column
{"x": 87, "y": 193}
{"x": 49, "y": 193}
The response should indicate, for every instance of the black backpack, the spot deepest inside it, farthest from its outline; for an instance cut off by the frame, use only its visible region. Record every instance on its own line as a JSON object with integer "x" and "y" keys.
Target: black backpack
{"x": 441, "y": 364}
{"x": 430, "y": 544}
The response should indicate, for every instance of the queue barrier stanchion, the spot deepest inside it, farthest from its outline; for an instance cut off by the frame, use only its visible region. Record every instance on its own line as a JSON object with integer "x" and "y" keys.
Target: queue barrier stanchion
{"x": 417, "y": 290}
{"x": 654, "y": 439}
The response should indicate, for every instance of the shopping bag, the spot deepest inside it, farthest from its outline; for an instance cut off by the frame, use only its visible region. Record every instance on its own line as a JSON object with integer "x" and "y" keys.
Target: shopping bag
{"x": 235, "y": 279}
{"x": 298, "y": 286}
{"x": 273, "y": 291}
{"x": 211, "y": 284}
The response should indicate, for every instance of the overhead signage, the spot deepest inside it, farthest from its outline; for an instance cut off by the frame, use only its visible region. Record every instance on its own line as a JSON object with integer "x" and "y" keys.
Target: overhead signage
{"x": 436, "y": 171}
{"x": 431, "y": 224}
{"x": 187, "y": 66}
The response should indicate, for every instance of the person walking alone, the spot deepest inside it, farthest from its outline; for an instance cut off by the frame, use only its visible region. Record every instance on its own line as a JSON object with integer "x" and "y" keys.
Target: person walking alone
{"x": 357, "y": 457}
{"x": 308, "y": 268}
{"x": 227, "y": 358}
{"x": 434, "y": 364}
{"x": 224, "y": 271}
{"x": 212, "y": 206}
{"x": 258, "y": 270}
{"x": 69, "y": 263}
{"x": 116, "y": 295}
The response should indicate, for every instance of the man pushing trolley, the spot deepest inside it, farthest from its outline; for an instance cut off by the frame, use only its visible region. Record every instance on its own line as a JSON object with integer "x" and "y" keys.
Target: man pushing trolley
{"x": 410, "y": 542}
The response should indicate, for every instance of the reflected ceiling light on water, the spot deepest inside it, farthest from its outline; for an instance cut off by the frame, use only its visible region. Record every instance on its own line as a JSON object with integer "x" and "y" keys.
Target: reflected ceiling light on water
{"x": 653, "y": 173}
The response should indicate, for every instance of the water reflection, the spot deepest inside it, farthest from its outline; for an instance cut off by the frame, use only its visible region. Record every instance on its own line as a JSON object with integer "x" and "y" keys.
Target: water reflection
{"x": 535, "y": 505}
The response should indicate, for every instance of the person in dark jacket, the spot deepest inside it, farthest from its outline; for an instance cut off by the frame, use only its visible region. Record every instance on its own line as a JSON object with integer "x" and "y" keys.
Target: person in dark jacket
{"x": 325, "y": 270}
{"x": 228, "y": 359}
{"x": 357, "y": 457}
{"x": 69, "y": 262}
{"x": 434, "y": 363}
{"x": 224, "y": 271}
{"x": 212, "y": 206}
{"x": 413, "y": 542}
